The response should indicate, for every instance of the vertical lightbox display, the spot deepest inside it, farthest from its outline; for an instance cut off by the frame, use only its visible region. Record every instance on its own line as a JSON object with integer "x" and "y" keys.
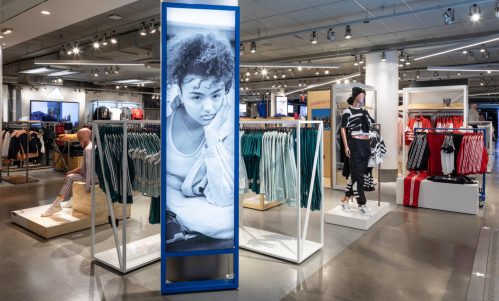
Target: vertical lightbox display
{"x": 200, "y": 138}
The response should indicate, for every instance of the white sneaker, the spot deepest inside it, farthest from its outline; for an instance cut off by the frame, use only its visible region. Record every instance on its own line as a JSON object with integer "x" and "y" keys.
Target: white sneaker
{"x": 364, "y": 210}
{"x": 68, "y": 204}
{"x": 345, "y": 206}
{"x": 51, "y": 210}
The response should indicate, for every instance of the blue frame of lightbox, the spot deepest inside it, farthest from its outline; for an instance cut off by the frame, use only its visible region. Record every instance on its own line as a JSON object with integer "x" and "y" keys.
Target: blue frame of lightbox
{"x": 208, "y": 285}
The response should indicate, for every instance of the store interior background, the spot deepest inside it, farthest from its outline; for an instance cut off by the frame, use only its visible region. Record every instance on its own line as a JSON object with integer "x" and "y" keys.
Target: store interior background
{"x": 287, "y": 33}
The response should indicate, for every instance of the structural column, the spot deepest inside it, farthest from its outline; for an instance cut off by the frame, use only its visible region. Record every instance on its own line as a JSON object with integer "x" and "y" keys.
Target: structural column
{"x": 383, "y": 75}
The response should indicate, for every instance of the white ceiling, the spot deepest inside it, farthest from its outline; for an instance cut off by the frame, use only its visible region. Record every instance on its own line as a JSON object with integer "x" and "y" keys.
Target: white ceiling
{"x": 261, "y": 18}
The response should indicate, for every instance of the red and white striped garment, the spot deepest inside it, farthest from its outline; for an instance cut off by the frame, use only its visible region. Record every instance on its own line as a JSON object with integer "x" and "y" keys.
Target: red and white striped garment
{"x": 472, "y": 156}
{"x": 412, "y": 184}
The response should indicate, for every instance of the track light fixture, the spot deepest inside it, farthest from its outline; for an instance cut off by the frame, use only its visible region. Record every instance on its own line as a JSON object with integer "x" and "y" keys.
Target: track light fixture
{"x": 469, "y": 55}
{"x": 106, "y": 71}
{"x": 152, "y": 27}
{"x": 458, "y": 73}
{"x": 348, "y": 32}
{"x": 355, "y": 62}
{"x": 241, "y": 49}
{"x": 113, "y": 39}
{"x": 103, "y": 41}
{"x": 313, "y": 37}
{"x": 475, "y": 13}
{"x": 142, "y": 30}
{"x": 326, "y": 72}
{"x": 418, "y": 74}
{"x": 407, "y": 61}
{"x": 402, "y": 57}
{"x": 383, "y": 56}
{"x": 361, "y": 60}
{"x": 7, "y": 31}
{"x": 76, "y": 49}
{"x": 496, "y": 10}
{"x": 482, "y": 49}
{"x": 485, "y": 55}
{"x": 96, "y": 43}
{"x": 253, "y": 47}
{"x": 449, "y": 16}
{"x": 331, "y": 36}
{"x": 116, "y": 69}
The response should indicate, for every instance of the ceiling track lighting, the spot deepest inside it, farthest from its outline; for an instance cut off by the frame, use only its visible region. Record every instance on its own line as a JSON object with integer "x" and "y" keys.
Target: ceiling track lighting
{"x": 348, "y": 32}
{"x": 485, "y": 55}
{"x": 383, "y": 56}
{"x": 355, "y": 62}
{"x": 253, "y": 47}
{"x": 475, "y": 13}
{"x": 469, "y": 55}
{"x": 313, "y": 37}
{"x": 76, "y": 49}
{"x": 361, "y": 60}
{"x": 449, "y": 16}
{"x": 152, "y": 27}
{"x": 402, "y": 57}
{"x": 241, "y": 49}
{"x": 96, "y": 43}
{"x": 7, "y": 31}
{"x": 496, "y": 10}
{"x": 482, "y": 49}
{"x": 418, "y": 74}
{"x": 331, "y": 36}
{"x": 113, "y": 39}
{"x": 407, "y": 61}
{"x": 142, "y": 30}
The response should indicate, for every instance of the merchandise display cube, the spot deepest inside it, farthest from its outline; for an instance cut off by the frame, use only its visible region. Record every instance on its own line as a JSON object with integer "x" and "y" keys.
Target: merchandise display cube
{"x": 63, "y": 222}
{"x": 354, "y": 219}
{"x": 461, "y": 198}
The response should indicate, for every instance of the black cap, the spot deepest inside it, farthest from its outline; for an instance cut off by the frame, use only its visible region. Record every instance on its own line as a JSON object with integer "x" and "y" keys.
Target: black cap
{"x": 356, "y": 91}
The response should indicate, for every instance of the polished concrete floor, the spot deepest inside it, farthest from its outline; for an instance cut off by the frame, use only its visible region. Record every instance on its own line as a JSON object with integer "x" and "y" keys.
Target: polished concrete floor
{"x": 411, "y": 254}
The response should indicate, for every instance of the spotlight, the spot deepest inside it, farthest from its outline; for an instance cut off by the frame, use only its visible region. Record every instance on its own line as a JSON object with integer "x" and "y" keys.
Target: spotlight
{"x": 482, "y": 83}
{"x": 117, "y": 70}
{"x": 361, "y": 59}
{"x": 482, "y": 49}
{"x": 317, "y": 72}
{"x": 113, "y": 39}
{"x": 106, "y": 71}
{"x": 76, "y": 49}
{"x": 103, "y": 41}
{"x": 465, "y": 51}
{"x": 283, "y": 75}
{"x": 96, "y": 43}
{"x": 449, "y": 16}
{"x": 300, "y": 68}
{"x": 475, "y": 13}
{"x": 7, "y": 31}
{"x": 355, "y": 62}
{"x": 152, "y": 27}
{"x": 497, "y": 9}
{"x": 69, "y": 50}
{"x": 264, "y": 72}
{"x": 313, "y": 37}
{"x": 142, "y": 30}
{"x": 383, "y": 56}
{"x": 275, "y": 75}
{"x": 248, "y": 73}
{"x": 418, "y": 75}
{"x": 117, "y": 87}
{"x": 401, "y": 65}
{"x": 469, "y": 55}
{"x": 402, "y": 57}
{"x": 348, "y": 32}
{"x": 331, "y": 36}
{"x": 485, "y": 55}
{"x": 326, "y": 72}
{"x": 253, "y": 47}
{"x": 241, "y": 49}
{"x": 407, "y": 61}
{"x": 459, "y": 73}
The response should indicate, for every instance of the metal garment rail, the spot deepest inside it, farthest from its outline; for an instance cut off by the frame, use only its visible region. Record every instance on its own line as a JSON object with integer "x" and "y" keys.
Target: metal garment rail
{"x": 301, "y": 237}
{"x": 121, "y": 249}
{"x": 484, "y": 131}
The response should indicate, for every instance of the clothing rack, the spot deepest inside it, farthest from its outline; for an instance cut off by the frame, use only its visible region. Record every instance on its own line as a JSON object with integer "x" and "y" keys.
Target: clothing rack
{"x": 378, "y": 127}
{"x": 291, "y": 248}
{"x": 16, "y": 180}
{"x": 141, "y": 252}
{"x": 482, "y": 189}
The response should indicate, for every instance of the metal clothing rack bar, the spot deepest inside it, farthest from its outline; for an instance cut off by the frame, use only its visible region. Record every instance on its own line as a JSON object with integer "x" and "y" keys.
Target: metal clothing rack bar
{"x": 482, "y": 190}
{"x": 27, "y": 179}
{"x": 141, "y": 255}
{"x": 284, "y": 244}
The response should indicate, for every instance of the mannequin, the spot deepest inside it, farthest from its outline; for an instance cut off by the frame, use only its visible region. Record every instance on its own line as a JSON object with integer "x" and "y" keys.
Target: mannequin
{"x": 355, "y": 125}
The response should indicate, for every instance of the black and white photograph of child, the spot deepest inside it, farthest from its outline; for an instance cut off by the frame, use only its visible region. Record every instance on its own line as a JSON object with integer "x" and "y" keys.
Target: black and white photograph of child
{"x": 200, "y": 129}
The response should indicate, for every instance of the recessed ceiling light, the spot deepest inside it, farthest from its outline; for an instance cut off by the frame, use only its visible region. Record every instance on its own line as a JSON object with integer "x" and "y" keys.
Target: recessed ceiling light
{"x": 7, "y": 30}
{"x": 45, "y": 12}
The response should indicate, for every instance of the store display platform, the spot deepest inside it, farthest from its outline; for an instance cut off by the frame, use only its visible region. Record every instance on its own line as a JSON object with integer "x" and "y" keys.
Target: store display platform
{"x": 443, "y": 196}
{"x": 354, "y": 219}
{"x": 275, "y": 244}
{"x": 63, "y": 222}
{"x": 138, "y": 253}
{"x": 258, "y": 202}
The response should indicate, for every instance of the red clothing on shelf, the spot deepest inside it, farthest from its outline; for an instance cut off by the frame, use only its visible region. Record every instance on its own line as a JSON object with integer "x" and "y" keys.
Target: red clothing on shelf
{"x": 415, "y": 122}
{"x": 412, "y": 184}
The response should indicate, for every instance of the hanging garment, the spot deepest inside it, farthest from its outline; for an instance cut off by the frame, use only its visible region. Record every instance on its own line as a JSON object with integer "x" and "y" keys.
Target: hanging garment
{"x": 378, "y": 148}
{"x": 115, "y": 114}
{"x": 416, "y": 122}
{"x": 102, "y": 113}
{"x": 447, "y": 155}
{"x": 418, "y": 153}
{"x": 137, "y": 114}
{"x": 126, "y": 113}
{"x": 472, "y": 156}
{"x": 412, "y": 184}
{"x": 400, "y": 127}
{"x": 261, "y": 106}
{"x": 356, "y": 121}
{"x": 6, "y": 143}
{"x": 435, "y": 141}
{"x": 451, "y": 180}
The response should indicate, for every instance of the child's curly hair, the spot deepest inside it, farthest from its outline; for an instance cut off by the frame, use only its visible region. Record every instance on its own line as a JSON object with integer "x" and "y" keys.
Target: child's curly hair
{"x": 203, "y": 54}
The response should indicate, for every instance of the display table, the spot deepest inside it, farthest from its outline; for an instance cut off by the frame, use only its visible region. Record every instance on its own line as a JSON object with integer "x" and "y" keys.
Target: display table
{"x": 444, "y": 196}
{"x": 354, "y": 219}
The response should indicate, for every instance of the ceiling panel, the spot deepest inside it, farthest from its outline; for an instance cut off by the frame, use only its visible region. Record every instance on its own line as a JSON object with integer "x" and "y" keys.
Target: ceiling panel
{"x": 308, "y": 16}
{"x": 366, "y": 30}
{"x": 342, "y": 10}
{"x": 286, "y": 6}
{"x": 253, "y": 10}
{"x": 402, "y": 23}
{"x": 277, "y": 23}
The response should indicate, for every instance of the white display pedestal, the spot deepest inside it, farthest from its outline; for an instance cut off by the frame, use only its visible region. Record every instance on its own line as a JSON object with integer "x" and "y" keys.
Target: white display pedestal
{"x": 354, "y": 219}
{"x": 444, "y": 196}
{"x": 275, "y": 244}
{"x": 63, "y": 222}
{"x": 139, "y": 253}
